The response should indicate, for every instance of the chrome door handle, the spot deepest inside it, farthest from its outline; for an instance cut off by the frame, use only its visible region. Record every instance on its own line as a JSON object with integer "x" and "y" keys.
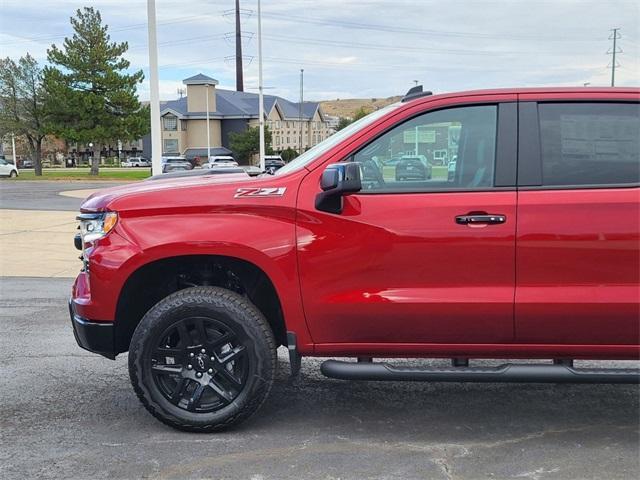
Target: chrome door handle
{"x": 484, "y": 218}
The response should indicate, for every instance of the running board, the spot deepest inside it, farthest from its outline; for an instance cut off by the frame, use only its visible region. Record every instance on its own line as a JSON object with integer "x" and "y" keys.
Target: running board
{"x": 509, "y": 372}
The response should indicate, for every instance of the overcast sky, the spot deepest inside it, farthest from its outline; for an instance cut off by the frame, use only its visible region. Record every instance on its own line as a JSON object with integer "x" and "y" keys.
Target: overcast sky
{"x": 356, "y": 48}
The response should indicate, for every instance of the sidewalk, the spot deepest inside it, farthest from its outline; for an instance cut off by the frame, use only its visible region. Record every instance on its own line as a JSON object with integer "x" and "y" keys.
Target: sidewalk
{"x": 36, "y": 243}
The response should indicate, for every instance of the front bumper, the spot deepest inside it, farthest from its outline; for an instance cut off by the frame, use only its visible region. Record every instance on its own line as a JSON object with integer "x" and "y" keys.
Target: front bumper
{"x": 97, "y": 337}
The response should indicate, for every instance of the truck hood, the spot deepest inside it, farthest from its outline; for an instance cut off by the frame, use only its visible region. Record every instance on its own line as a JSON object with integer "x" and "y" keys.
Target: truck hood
{"x": 147, "y": 194}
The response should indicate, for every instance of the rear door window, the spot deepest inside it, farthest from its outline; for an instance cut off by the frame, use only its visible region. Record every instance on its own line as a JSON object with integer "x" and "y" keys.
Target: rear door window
{"x": 590, "y": 143}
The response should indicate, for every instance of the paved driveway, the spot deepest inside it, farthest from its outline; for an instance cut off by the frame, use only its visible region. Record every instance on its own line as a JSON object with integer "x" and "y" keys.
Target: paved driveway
{"x": 37, "y": 225}
{"x": 69, "y": 414}
{"x": 44, "y": 195}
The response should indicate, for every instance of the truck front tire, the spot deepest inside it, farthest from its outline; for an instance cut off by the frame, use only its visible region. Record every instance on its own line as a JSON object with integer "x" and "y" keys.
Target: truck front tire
{"x": 202, "y": 359}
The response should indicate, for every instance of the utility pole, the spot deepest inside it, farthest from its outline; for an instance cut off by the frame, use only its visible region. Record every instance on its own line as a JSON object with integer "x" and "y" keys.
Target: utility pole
{"x": 260, "y": 94}
{"x": 154, "y": 89}
{"x": 614, "y": 36}
{"x": 239, "y": 76}
{"x": 300, "y": 107}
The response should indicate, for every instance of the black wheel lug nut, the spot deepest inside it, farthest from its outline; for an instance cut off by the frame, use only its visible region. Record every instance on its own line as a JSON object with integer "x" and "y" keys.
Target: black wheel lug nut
{"x": 198, "y": 374}
{"x": 192, "y": 354}
{"x": 203, "y": 351}
{"x": 189, "y": 367}
{"x": 210, "y": 371}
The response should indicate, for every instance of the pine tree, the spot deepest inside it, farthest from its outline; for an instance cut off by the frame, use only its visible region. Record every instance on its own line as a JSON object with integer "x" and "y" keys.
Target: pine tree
{"x": 92, "y": 98}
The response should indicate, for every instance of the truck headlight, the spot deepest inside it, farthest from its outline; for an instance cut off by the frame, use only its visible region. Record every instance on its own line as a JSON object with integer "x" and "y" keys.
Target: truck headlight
{"x": 94, "y": 226}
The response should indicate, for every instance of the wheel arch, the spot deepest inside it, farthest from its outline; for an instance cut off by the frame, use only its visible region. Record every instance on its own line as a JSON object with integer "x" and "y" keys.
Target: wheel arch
{"x": 158, "y": 278}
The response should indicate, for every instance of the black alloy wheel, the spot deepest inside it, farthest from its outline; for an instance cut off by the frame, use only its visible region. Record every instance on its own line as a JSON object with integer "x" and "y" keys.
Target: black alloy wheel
{"x": 202, "y": 359}
{"x": 199, "y": 364}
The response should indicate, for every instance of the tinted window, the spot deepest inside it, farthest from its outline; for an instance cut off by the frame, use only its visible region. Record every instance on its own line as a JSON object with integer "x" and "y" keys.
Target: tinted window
{"x": 445, "y": 149}
{"x": 590, "y": 143}
{"x": 171, "y": 145}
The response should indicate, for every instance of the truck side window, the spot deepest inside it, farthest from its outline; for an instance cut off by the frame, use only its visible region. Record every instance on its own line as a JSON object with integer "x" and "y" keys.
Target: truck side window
{"x": 446, "y": 149}
{"x": 590, "y": 143}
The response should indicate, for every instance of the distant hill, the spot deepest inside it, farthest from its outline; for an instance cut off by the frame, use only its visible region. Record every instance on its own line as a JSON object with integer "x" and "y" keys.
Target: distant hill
{"x": 348, "y": 106}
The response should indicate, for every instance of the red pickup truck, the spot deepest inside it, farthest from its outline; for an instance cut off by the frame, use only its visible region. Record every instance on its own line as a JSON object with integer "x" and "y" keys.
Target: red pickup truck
{"x": 523, "y": 242}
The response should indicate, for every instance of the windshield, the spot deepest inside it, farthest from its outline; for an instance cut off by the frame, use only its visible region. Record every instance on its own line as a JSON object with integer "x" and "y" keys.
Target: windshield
{"x": 314, "y": 152}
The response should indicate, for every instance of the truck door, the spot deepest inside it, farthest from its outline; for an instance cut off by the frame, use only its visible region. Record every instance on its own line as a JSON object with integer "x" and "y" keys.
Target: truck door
{"x": 420, "y": 255}
{"x": 578, "y": 223}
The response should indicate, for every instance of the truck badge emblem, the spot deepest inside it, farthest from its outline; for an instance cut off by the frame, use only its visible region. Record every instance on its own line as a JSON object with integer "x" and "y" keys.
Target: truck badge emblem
{"x": 200, "y": 362}
{"x": 260, "y": 192}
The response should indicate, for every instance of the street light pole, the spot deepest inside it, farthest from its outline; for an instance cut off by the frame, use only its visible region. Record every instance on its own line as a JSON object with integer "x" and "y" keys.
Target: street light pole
{"x": 154, "y": 91}
{"x": 208, "y": 131}
{"x": 300, "y": 109}
{"x": 260, "y": 95}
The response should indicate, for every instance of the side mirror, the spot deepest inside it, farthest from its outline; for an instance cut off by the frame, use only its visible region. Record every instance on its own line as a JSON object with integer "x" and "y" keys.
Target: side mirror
{"x": 338, "y": 180}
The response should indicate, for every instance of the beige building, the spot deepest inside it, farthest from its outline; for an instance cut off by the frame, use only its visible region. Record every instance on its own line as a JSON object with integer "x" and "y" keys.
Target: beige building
{"x": 289, "y": 131}
{"x": 184, "y": 121}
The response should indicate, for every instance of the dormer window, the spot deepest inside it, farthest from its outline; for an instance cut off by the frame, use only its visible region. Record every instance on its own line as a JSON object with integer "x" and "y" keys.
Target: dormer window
{"x": 170, "y": 122}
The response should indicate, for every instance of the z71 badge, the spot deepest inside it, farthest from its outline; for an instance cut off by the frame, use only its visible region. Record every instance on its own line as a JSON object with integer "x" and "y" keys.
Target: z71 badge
{"x": 260, "y": 192}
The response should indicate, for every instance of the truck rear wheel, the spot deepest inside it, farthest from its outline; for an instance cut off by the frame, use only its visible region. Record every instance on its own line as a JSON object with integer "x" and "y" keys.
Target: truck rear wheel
{"x": 202, "y": 359}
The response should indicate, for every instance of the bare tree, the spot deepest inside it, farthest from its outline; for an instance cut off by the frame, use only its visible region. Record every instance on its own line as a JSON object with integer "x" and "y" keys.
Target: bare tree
{"x": 22, "y": 99}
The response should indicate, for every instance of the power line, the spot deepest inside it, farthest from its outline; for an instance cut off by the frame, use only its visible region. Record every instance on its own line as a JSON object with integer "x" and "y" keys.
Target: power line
{"x": 378, "y": 46}
{"x": 317, "y": 21}
{"x": 189, "y": 62}
{"x": 398, "y": 29}
{"x": 356, "y": 45}
{"x": 182, "y": 41}
{"x": 111, "y": 30}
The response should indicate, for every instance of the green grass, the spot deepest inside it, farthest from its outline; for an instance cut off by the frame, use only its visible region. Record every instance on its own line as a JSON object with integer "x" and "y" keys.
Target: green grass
{"x": 83, "y": 174}
{"x": 439, "y": 172}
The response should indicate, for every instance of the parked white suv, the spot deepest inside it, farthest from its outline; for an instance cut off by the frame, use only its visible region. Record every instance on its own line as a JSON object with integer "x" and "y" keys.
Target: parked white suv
{"x": 7, "y": 169}
{"x": 136, "y": 162}
{"x": 173, "y": 164}
{"x": 217, "y": 162}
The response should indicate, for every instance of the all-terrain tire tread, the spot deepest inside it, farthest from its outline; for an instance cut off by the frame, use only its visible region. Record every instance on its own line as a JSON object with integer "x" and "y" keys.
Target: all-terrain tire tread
{"x": 219, "y": 297}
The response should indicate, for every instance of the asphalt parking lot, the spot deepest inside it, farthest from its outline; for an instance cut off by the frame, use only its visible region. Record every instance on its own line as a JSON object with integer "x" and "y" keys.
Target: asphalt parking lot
{"x": 66, "y": 413}
{"x": 45, "y": 195}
